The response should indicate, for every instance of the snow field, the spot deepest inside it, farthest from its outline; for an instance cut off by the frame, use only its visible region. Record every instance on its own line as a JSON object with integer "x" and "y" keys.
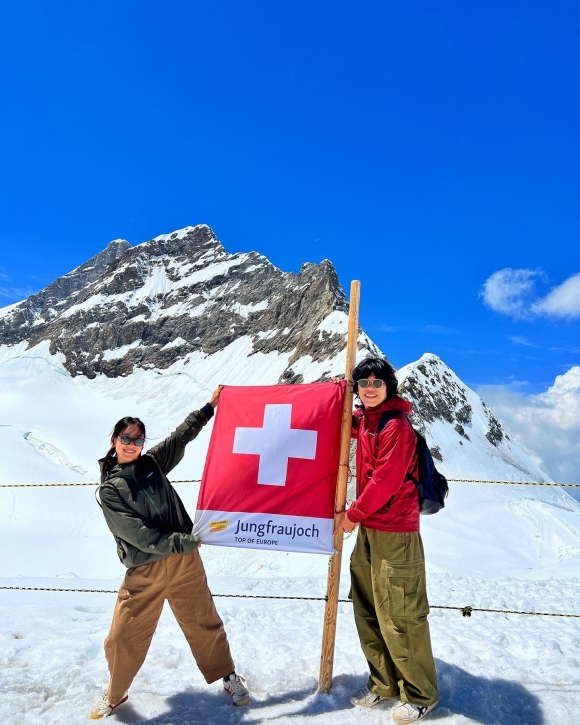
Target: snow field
{"x": 492, "y": 547}
{"x": 492, "y": 668}
{"x": 484, "y": 530}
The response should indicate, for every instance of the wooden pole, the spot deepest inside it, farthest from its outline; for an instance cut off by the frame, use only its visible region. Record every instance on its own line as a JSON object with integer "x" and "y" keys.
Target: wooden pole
{"x": 331, "y": 609}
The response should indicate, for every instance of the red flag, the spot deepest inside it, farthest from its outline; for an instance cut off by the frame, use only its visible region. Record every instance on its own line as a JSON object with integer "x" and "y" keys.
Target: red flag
{"x": 270, "y": 475}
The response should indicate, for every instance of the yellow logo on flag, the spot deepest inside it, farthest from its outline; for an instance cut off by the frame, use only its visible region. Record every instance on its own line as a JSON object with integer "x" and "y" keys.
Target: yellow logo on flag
{"x": 218, "y": 525}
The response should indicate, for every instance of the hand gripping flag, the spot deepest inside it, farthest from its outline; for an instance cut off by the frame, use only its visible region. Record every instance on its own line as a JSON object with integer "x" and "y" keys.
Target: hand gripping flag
{"x": 270, "y": 475}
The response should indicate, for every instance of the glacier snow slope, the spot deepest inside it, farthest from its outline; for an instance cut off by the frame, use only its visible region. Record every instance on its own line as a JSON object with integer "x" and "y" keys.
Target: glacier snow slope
{"x": 497, "y": 547}
{"x": 54, "y": 427}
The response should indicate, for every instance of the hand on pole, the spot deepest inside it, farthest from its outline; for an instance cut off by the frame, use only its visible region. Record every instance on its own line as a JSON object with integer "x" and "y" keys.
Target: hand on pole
{"x": 342, "y": 524}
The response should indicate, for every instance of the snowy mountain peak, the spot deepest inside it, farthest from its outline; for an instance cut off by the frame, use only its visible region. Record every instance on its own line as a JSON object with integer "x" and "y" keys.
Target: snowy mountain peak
{"x": 201, "y": 233}
{"x": 150, "y": 330}
{"x": 99, "y": 263}
{"x": 119, "y": 243}
{"x": 177, "y": 294}
{"x": 458, "y": 425}
{"x": 427, "y": 356}
{"x": 436, "y": 392}
{"x": 34, "y": 312}
{"x": 179, "y": 301}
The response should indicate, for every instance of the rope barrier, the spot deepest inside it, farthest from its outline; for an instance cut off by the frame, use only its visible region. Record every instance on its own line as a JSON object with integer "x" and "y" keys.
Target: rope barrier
{"x": 514, "y": 483}
{"x": 465, "y": 611}
{"x": 88, "y": 483}
{"x": 198, "y": 480}
{"x": 114, "y": 591}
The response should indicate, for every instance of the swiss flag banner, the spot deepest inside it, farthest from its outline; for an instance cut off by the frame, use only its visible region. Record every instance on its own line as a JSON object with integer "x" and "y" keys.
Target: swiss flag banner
{"x": 269, "y": 480}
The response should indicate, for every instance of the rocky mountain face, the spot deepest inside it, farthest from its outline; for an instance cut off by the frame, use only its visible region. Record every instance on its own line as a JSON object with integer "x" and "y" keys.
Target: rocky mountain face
{"x": 438, "y": 394}
{"x": 181, "y": 304}
{"x": 459, "y": 427}
{"x": 150, "y": 305}
{"x": 464, "y": 437}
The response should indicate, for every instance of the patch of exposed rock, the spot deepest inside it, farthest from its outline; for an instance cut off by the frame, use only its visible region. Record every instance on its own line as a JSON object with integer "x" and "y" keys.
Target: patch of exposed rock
{"x": 153, "y": 304}
{"x": 437, "y": 394}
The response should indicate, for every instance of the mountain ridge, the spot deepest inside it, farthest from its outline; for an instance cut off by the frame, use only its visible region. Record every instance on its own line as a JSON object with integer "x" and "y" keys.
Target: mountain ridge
{"x": 56, "y": 420}
{"x": 154, "y": 303}
{"x": 172, "y": 303}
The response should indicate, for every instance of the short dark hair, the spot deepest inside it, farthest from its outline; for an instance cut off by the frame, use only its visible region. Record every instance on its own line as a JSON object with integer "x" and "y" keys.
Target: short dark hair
{"x": 381, "y": 368}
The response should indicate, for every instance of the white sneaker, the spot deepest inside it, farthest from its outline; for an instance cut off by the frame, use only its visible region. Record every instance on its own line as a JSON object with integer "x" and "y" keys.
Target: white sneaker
{"x": 236, "y": 686}
{"x": 104, "y": 708}
{"x": 366, "y": 698}
{"x": 408, "y": 713}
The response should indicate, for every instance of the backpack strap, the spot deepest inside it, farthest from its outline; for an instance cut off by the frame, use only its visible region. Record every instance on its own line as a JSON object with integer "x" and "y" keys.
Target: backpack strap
{"x": 385, "y": 418}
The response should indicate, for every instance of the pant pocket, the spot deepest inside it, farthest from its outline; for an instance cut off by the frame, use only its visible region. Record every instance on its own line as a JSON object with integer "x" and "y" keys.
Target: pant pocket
{"x": 405, "y": 590}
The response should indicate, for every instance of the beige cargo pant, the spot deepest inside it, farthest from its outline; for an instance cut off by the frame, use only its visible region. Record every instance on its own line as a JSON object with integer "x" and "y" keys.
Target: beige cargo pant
{"x": 389, "y": 596}
{"x": 182, "y": 581}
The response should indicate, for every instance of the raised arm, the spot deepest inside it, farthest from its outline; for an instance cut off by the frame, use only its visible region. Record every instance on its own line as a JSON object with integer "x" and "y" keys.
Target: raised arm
{"x": 169, "y": 452}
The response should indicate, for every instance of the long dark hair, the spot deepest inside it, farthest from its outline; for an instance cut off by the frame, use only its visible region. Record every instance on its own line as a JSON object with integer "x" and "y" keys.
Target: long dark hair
{"x": 381, "y": 368}
{"x": 120, "y": 426}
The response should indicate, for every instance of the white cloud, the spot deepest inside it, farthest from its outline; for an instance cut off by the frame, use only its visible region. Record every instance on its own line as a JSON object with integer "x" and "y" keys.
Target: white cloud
{"x": 563, "y": 301}
{"x": 512, "y": 292}
{"x": 517, "y": 340}
{"x": 388, "y": 328}
{"x": 509, "y": 291}
{"x": 547, "y": 425}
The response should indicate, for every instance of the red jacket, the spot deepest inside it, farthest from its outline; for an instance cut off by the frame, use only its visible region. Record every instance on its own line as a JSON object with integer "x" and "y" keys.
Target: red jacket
{"x": 385, "y": 500}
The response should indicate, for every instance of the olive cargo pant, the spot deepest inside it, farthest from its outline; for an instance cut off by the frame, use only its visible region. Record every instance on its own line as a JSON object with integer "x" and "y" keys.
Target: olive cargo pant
{"x": 181, "y": 580}
{"x": 389, "y": 596}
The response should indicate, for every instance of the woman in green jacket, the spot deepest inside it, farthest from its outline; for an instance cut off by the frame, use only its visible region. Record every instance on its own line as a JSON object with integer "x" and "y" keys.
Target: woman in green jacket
{"x": 154, "y": 541}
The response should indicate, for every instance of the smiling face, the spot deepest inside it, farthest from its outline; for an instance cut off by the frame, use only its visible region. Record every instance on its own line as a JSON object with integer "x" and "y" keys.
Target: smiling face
{"x": 127, "y": 453}
{"x": 371, "y": 396}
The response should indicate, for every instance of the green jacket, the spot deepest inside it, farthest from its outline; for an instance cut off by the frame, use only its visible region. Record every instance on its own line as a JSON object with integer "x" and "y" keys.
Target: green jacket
{"x": 141, "y": 508}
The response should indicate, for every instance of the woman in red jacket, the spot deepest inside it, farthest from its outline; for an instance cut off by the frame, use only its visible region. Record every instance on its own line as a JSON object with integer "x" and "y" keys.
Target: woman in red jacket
{"x": 388, "y": 564}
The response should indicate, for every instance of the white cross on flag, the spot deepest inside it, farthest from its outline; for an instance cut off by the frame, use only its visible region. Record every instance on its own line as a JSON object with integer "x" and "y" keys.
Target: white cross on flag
{"x": 270, "y": 475}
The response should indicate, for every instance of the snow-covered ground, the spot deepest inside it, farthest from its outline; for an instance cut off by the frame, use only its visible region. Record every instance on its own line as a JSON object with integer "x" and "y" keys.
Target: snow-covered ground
{"x": 53, "y": 427}
{"x": 493, "y": 669}
{"x": 503, "y": 547}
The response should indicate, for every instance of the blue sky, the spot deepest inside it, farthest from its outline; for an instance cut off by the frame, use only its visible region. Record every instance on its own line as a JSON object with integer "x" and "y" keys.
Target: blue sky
{"x": 421, "y": 146}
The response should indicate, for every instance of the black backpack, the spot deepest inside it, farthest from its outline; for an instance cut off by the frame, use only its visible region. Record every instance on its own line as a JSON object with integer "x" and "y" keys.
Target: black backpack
{"x": 432, "y": 485}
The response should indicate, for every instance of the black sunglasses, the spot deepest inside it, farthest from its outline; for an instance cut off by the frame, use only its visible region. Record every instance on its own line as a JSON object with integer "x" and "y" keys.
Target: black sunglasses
{"x": 376, "y": 383}
{"x": 125, "y": 440}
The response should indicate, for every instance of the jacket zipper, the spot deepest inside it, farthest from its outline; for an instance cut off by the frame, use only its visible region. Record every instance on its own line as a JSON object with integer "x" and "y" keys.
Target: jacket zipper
{"x": 146, "y": 492}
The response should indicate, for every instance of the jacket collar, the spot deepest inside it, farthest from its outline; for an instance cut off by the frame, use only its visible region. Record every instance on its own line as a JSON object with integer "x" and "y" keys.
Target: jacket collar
{"x": 118, "y": 470}
{"x": 373, "y": 415}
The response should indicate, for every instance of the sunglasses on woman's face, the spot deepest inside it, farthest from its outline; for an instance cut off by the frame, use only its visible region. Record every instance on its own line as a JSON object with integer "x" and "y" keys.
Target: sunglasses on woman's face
{"x": 376, "y": 383}
{"x": 126, "y": 441}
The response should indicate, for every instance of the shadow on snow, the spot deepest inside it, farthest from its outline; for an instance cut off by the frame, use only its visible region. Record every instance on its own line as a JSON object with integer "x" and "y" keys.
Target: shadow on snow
{"x": 485, "y": 700}
{"x": 480, "y": 699}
